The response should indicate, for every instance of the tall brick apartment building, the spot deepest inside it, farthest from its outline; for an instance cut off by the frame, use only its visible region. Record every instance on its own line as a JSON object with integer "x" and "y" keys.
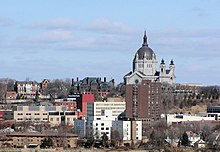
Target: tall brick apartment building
{"x": 143, "y": 101}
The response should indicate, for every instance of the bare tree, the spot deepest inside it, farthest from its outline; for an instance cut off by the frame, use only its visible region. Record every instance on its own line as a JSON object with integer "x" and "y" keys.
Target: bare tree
{"x": 116, "y": 138}
{"x": 58, "y": 88}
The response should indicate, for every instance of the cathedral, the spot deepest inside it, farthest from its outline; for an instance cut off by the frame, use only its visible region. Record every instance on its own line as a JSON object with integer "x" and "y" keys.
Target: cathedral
{"x": 145, "y": 67}
{"x": 144, "y": 85}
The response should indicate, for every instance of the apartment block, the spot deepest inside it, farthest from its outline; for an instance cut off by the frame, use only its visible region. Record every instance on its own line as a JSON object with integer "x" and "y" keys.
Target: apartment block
{"x": 56, "y": 115}
{"x": 143, "y": 101}
{"x": 95, "y": 108}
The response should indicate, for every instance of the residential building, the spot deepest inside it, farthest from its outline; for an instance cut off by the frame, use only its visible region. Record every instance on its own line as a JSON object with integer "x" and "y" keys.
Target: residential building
{"x": 27, "y": 89}
{"x": 143, "y": 101}
{"x": 34, "y": 139}
{"x": 56, "y": 115}
{"x": 93, "y": 85}
{"x": 70, "y": 103}
{"x": 95, "y": 108}
{"x": 11, "y": 95}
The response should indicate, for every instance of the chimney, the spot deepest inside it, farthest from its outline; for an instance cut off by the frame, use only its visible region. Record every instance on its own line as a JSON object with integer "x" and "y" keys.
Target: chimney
{"x": 104, "y": 79}
{"x": 72, "y": 81}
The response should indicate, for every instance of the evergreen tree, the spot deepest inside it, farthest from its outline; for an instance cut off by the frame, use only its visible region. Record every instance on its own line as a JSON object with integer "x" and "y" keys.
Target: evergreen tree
{"x": 185, "y": 140}
{"x": 47, "y": 142}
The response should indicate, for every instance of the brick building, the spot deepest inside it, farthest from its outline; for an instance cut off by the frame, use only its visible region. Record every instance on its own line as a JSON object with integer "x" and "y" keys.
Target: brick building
{"x": 34, "y": 139}
{"x": 143, "y": 101}
{"x": 93, "y": 85}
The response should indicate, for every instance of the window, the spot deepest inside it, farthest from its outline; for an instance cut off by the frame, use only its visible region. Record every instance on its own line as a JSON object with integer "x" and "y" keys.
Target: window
{"x": 107, "y": 128}
{"x": 57, "y": 119}
{"x": 96, "y": 124}
{"x": 102, "y": 128}
{"x": 102, "y": 124}
{"x": 51, "y": 119}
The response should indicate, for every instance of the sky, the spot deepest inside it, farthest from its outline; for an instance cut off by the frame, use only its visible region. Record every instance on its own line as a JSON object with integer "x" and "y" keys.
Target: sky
{"x": 54, "y": 39}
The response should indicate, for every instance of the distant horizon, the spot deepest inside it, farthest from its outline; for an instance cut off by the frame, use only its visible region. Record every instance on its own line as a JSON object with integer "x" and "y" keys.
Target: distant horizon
{"x": 102, "y": 79}
{"x": 67, "y": 39}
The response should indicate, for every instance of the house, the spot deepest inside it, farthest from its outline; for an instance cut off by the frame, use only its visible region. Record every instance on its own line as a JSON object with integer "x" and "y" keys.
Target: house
{"x": 200, "y": 144}
{"x": 11, "y": 95}
{"x": 173, "y": 142}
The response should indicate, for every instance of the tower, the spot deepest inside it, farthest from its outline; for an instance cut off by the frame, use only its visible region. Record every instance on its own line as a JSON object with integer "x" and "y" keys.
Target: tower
{"x": 145, "y": 59}
{"x": 162, "y": 68}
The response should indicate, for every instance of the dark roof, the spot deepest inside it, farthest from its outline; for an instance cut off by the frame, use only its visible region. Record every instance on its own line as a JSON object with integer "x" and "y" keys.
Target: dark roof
{"x": 167, "y": 71}
{"x": 142, "y": 73}
{"x": 128, "y": 74}
{"x": 144, "y": 50}
{"x": 157, "y": 73}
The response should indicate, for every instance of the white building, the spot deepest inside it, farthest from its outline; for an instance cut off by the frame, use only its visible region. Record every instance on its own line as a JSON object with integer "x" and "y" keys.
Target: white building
{"x": 95, "y": 108}
{"x": 145, "y": 67}
{"x": 96, "y": 126}
{"x": 178, "y": 118}
{"x": 128, "y": 130}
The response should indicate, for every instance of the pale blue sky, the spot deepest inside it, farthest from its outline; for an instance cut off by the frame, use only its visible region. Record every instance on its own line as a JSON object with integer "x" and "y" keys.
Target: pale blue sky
{"x": 68, "y": 39}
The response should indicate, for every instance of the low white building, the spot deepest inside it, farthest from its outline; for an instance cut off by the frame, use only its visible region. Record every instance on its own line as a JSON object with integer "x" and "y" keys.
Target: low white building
{"x": 178, "y": 118}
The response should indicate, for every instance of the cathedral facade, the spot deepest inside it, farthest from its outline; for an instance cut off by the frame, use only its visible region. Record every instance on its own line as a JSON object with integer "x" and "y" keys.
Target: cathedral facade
{"x": 145, "y": 67}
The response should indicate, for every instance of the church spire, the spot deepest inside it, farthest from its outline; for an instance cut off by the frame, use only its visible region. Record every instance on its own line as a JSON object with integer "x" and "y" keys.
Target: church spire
{"x": 145, "y": 39}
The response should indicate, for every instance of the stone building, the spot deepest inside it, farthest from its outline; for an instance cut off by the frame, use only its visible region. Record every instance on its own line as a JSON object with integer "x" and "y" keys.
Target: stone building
{"x": 145, "y": 67}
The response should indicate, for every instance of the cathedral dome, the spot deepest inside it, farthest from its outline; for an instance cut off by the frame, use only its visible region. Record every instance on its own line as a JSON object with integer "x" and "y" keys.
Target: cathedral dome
{"x": 145, "y": 51}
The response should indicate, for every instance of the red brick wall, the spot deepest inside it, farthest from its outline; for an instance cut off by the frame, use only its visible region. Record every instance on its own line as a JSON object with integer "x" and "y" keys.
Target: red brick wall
{"x": 148, "y": 100}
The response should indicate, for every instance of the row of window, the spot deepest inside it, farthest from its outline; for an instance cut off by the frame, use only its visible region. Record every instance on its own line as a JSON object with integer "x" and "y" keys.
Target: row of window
{"x": 30, "y": 113}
